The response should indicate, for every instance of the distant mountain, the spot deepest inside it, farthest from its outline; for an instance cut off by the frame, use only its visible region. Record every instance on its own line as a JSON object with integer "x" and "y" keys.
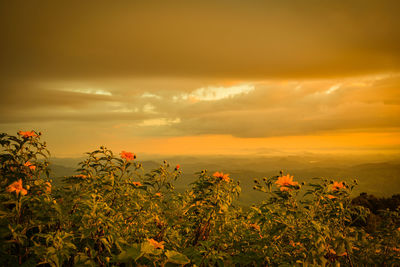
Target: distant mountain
{"x": 377, "y": 178}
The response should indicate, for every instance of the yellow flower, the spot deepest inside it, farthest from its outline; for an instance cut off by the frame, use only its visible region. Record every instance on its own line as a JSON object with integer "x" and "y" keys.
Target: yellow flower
{"x": 17, "y": 187}
{"x": 156, "y": 244}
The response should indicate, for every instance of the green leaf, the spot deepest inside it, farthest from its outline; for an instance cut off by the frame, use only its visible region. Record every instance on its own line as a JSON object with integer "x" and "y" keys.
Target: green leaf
{"x": 148, "y": 248}
{"x": 132, "y": 253}
{"x": 176, "y": 257}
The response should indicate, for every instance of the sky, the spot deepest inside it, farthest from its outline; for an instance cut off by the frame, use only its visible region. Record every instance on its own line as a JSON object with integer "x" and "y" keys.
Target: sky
{"x": 203, "y": 77}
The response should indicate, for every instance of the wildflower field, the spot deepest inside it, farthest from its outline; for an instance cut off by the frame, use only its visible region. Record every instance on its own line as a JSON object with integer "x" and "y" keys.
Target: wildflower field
{"x": 115, "y": 213}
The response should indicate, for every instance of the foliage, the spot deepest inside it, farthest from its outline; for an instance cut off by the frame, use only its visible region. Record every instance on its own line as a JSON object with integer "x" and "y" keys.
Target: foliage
{"x": 113, "y": 213}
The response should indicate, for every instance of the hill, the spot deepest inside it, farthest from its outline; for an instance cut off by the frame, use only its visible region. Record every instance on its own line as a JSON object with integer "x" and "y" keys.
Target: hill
{"x": 377, "y": 178}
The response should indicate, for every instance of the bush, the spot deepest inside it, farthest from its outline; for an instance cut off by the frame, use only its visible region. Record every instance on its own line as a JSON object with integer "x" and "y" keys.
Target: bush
{"x": 113, "y": 213}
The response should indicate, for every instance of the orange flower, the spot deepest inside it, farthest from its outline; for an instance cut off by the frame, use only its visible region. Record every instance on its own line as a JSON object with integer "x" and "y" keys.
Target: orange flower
{"x": 285, "y": 181}
{"x": 293, "y": 244}
{"x": 27, "y": 134}
{"x": 28, "y": 164}
{"x": 136, "y": 183}
{"x": 331, "y": 197}
{"x": 331, "y": 251}
{"x": 17, "y": 187}
{"x": 337, "y": 186}
{"x": 158, "y": 194}
{"x": 127, "y": 155}
{"x": 222, "y": 176}
{"x": 284, "y": 189}
{"x": 177, "y": 167}
{"x": 156, "y": 244}
{"x": 396, "y": 249}
{"x": 48, "y": 187}
{"x": 254, "y": 226}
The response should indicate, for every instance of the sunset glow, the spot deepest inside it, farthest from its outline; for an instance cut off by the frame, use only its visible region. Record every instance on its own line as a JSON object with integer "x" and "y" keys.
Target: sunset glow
{"x": 204, "y": 78}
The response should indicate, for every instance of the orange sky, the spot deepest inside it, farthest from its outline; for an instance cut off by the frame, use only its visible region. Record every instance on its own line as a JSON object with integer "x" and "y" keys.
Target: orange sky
{"x": 353, "y": 143}
{"x": 206, "y": 77}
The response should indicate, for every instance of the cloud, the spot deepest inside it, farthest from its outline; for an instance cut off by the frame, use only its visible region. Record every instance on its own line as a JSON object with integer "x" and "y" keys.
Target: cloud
{"x": 159, "y": 122}
{"x": 90, "y": 91}
{"x": 275, "y": 109}
{"x": 222, "y": 39}
{"x": 254, "y": 109}
{"x": 16, "y": 96}
{"x": 333, "y": 88}
{"x": 212, "y": 93}
{"x": 246, "y": 69}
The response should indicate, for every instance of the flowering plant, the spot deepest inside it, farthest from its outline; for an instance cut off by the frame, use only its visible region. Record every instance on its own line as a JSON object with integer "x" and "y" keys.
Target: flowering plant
{"x": 114, "y": 213}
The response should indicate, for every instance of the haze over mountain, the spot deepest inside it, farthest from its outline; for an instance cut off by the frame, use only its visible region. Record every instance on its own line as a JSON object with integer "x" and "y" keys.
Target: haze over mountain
{"x": 377, "y": 175}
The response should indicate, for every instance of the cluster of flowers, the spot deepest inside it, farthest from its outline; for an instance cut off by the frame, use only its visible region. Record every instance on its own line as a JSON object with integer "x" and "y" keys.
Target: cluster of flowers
{"x": 286, "y": 183}
{"x": 17, "y": 186}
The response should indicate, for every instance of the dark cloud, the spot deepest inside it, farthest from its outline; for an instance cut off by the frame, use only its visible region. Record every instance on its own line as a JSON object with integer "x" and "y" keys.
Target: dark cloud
{"x": 223, "y": 39}
{"x": 56, "y": 116}
{"x": 27, "y": 96}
